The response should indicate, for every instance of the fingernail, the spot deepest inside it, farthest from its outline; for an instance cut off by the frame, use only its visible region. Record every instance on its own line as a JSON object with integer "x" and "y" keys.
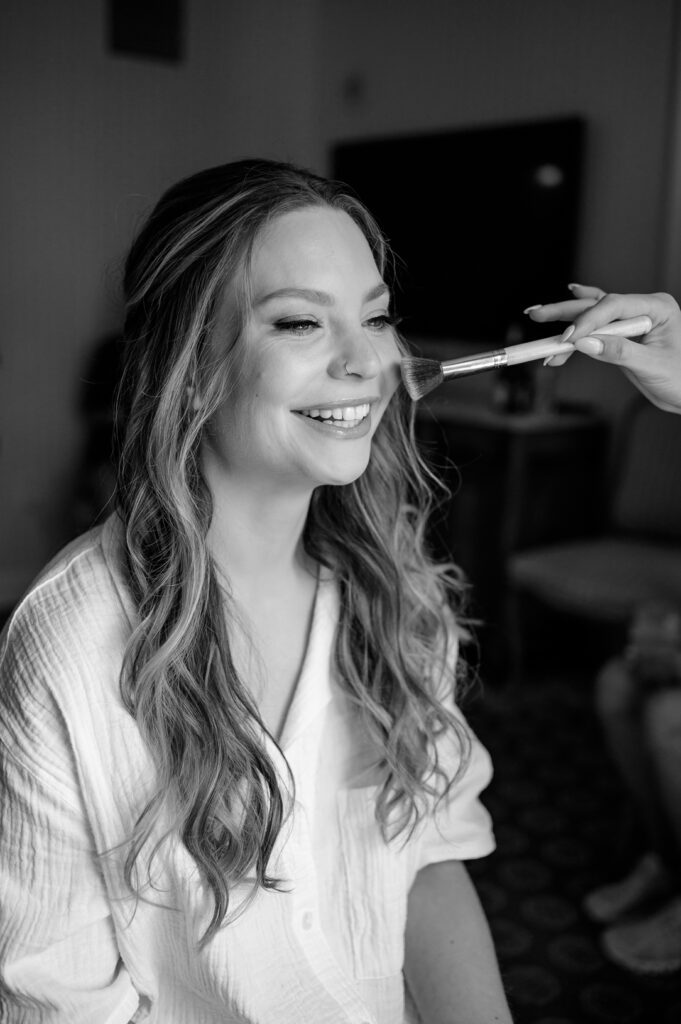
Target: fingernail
{"x": 590, "y": 346}
{"x": 567, "y": 333}
{"x": 547, "y": 361}
{"x": 530, "y": 308}
{"x": 573, "y": 285}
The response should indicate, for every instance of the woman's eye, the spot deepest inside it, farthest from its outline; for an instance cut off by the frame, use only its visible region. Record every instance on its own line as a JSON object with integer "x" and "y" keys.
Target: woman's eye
{"x": 379, "y": 323}
{"x": 296, "y": 326}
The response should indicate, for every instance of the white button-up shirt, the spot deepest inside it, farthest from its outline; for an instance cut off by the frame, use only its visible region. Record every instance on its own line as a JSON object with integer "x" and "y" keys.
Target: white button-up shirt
{"x": 75, "y": 773}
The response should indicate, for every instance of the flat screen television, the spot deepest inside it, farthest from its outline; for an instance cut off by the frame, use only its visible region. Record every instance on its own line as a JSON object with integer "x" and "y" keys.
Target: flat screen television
{"x": 484, "y": 221}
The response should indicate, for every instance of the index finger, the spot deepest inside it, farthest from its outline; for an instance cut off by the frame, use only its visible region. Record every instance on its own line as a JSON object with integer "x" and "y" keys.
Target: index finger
{"x": 616, "y": 307}
{"x": 568, "y": 309}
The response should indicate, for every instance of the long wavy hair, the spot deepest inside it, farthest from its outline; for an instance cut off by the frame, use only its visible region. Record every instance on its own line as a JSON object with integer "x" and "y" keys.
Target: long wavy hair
{"x": 216, "y": 782}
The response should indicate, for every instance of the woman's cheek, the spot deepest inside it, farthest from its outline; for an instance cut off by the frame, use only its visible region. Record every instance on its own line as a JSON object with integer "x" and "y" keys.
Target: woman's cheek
{"x": 393, "y": 374}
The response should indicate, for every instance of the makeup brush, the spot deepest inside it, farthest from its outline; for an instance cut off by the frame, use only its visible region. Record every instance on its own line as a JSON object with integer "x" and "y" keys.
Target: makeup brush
{"x": 420, "y": 376}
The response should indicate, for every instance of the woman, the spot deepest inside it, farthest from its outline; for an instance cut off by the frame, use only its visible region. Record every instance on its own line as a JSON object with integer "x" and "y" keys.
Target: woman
{"x": 237, "y": 787}
{"x": 640, "y": 715}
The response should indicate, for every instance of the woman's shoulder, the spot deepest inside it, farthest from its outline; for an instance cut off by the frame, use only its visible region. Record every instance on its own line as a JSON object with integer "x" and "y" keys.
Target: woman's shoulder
{"x": 78, "y": 603}
{"x": 61, "y": 655}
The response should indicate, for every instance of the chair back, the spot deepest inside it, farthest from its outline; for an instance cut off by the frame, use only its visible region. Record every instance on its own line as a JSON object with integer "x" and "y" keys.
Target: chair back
{"x": 647, "y": 496}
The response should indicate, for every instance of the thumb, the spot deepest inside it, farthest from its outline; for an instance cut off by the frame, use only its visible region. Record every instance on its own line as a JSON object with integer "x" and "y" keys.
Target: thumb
{"x": 607, "y": 349}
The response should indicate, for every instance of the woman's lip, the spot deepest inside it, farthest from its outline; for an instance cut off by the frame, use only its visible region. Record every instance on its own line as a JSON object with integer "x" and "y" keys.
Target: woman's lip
{"x": 344, "y": 404}
{"x": 330, "y": 428}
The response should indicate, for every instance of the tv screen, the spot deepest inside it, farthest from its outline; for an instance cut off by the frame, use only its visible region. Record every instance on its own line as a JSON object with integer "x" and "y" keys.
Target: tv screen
{"x": 484, "y": 221}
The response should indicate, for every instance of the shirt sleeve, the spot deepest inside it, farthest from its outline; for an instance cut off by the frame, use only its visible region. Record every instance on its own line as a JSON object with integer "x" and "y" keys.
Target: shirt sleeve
{"x": 59, "y": 962}
{"x": 459, "y": 826}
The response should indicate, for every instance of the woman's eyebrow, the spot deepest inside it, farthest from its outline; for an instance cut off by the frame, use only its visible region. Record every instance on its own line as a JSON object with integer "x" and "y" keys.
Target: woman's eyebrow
{"x": 321, "y": 298}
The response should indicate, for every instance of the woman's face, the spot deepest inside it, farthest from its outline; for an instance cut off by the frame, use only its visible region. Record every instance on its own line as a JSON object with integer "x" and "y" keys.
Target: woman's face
{"x": 317, "y": 360}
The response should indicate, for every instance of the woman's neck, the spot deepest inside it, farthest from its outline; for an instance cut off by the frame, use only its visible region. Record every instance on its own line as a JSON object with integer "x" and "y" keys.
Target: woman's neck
{"x": 255, "y": 536}
{"x": 255, "y": 539}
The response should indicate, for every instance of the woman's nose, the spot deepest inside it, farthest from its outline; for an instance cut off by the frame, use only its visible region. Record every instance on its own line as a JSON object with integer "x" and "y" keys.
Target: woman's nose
{"x": 356, "y": 357}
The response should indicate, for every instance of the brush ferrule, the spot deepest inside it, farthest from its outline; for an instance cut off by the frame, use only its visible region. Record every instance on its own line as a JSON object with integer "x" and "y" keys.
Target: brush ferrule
{"x": 474, "y": 364}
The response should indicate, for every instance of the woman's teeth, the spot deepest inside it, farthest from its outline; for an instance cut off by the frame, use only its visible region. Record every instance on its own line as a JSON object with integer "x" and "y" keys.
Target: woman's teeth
{"x": 348, "y": 416}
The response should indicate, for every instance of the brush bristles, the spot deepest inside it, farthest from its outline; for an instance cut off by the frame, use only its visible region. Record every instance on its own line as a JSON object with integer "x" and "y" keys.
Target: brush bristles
{"x": 420, "y": 376}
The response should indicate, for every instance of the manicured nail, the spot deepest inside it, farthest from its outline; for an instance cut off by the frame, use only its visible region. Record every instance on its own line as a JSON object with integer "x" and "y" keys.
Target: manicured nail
{"x": 567, "y": 333}
{"x": 590, "y": 346}
{"x": 530, "y": 308}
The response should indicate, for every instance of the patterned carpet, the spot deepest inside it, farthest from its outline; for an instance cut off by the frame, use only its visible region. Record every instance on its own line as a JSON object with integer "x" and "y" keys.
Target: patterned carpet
{"x": 558, "y": 808}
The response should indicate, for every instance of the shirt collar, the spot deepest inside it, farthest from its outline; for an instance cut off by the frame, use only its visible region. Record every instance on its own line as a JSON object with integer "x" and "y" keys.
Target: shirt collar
{"x": 112, "y": 540}
{"x": 314, "y": 687}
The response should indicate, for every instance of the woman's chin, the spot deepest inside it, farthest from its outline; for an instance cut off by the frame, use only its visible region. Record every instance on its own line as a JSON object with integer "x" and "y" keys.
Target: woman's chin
{"x": 337, "y": 476}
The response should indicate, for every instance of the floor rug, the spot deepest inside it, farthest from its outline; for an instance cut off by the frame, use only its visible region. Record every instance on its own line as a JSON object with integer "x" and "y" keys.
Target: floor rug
{"x": 558, "y": 809}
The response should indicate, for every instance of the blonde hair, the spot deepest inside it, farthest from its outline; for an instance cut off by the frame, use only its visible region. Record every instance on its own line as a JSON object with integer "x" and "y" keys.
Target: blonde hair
{"x": 179, "y": 680}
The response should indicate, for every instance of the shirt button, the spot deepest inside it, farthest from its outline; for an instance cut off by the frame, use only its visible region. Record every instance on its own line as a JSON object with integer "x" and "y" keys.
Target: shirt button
{"x": 306, "y": 920}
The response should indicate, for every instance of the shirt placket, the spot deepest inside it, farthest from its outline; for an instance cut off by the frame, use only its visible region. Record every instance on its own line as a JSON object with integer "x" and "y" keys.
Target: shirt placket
{"x": 301, "y": 738}
{"x": 305, "y": 920}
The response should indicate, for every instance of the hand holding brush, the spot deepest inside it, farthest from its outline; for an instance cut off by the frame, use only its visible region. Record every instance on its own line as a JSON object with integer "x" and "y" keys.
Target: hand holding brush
{"x": 652, "y": 364}
{"x": 420, "y": 376}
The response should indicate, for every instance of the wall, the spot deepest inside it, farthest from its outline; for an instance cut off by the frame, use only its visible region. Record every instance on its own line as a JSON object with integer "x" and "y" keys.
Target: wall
{"x": 407, "y": 67}
{"x": 671, "y": 214}
{"x": 90, "y": 140}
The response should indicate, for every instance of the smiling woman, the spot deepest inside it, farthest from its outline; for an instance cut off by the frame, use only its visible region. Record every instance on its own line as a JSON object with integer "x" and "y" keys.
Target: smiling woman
{"x": 318, "y": 342}
{"x": 236, "y": 783}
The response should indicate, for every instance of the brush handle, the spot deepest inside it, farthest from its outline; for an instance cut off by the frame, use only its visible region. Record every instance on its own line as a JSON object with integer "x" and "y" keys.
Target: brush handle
{"x": 544, "y": 348}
